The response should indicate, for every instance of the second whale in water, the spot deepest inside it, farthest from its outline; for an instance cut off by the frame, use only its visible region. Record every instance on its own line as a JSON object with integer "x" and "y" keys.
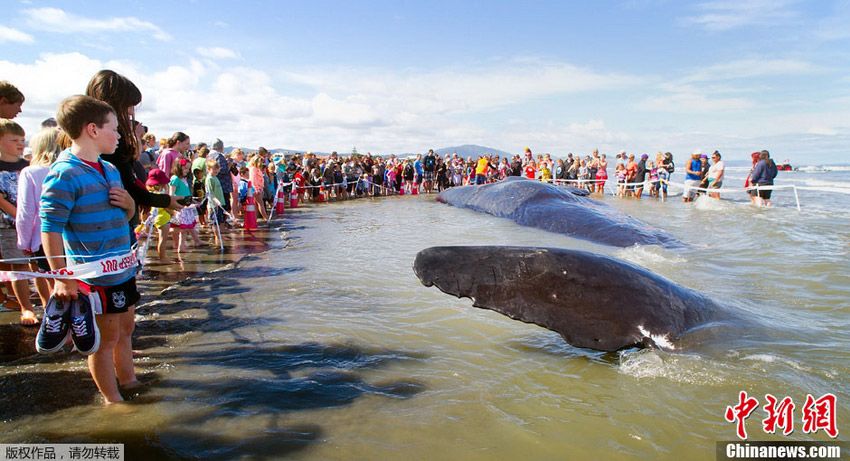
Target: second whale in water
{"x": 556, "y": 209}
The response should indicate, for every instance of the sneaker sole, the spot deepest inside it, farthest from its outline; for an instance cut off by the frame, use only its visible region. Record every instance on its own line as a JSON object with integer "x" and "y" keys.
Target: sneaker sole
{"x": 55, "y": 349}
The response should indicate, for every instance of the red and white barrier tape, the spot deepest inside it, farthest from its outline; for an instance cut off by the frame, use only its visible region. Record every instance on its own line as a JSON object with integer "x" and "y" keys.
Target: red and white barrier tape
{"x": 109, "y": 265}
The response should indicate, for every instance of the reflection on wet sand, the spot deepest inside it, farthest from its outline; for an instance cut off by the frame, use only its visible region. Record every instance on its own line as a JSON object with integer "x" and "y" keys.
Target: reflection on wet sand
{"x": 182, "y": 301}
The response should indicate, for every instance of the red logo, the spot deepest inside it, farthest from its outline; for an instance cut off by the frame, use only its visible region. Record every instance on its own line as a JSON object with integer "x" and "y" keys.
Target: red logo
{"x": 817, "y": 414}
{"x": 781, "y": 415}
{"x": 740, "y": 412}
{"x": 820, "y": 414}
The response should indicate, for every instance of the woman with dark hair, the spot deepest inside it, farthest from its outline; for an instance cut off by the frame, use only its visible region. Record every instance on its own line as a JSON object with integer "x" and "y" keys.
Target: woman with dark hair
{"x": 178, "y": 144}
{"x": 120, "y": 93}
{"x": 123, "y": 95}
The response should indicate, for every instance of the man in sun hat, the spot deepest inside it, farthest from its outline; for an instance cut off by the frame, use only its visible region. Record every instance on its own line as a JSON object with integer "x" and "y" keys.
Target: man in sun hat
{"x": 693, "y": 176}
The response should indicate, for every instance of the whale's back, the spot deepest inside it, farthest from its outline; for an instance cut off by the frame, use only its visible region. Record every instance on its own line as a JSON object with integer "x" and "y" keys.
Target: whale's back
{"x": 555, "y": 209}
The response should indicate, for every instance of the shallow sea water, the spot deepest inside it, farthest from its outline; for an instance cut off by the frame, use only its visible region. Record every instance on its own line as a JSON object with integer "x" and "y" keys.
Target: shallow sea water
{"x": 329, "y": 347}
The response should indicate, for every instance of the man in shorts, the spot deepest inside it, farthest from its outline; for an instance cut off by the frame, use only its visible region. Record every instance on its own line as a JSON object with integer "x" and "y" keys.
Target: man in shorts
{"x": 693, "y": 172}
{"x": 429, "y": 165}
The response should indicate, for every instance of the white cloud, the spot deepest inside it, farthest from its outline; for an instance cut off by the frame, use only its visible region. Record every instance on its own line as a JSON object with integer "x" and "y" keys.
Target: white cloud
{"x": 593, "y": 133}
{"x": 50, "y": 78}
{"x": 559, "y": 138}
{"x": 822, "y": 130}
{"x": 723, "y": 15}
{"x": 407, "y": 111}
{"x": 59, "y": 21}
{"x": 684, "y": 98}
{"x": 718, "y": 88}
{"x": 748, "y": 68}
{"x": 393, "y": 111}
{"x": 8, "y": 34}
{"x": 722, "y": 88}
{"x": 472, "y": 88}
{"x": 217, "y": 53}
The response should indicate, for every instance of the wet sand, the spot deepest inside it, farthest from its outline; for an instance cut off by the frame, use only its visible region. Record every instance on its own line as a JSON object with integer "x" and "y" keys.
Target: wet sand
{"x": 31, "y": 381}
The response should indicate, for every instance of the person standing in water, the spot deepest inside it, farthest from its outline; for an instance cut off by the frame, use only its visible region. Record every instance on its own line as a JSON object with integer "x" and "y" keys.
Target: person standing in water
{"x": 123, "y": 96}
{"x": 715, "y": 174}
{"x": 763, "y": 176}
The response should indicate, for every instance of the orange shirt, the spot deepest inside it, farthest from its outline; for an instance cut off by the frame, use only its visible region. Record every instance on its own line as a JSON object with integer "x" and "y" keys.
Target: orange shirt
{"x": 481, "y": 167}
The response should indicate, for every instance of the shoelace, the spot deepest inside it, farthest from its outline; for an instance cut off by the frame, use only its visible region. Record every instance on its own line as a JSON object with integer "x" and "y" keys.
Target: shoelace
{"x": 53, "y": 325}
{"x": 79, "y": 326}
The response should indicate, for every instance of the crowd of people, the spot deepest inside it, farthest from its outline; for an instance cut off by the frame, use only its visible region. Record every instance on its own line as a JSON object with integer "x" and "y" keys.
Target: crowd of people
{"x": 342, "y": 177}
{"x": 94, "y": 181}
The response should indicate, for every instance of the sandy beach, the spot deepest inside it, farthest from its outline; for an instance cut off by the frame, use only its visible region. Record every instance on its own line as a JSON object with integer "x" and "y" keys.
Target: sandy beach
{"x": 34, "y": 378}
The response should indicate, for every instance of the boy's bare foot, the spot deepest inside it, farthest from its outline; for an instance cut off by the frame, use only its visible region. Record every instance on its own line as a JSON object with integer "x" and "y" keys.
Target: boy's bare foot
{"x": 28, "y": 318}
{"x": 117, "y": 405}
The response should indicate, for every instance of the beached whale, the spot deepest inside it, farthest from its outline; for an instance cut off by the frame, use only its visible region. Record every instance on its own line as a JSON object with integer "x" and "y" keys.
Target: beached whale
{"x": 593, "y": 301}
{"x": 556, "y": 209}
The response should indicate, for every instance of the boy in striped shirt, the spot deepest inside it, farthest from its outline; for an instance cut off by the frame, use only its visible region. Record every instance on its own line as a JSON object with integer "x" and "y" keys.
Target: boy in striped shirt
{"x": 85, "y": 213}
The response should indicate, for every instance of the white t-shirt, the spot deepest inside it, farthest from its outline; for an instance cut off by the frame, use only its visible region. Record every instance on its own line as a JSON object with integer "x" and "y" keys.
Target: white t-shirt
{"x": 716, "y": 170}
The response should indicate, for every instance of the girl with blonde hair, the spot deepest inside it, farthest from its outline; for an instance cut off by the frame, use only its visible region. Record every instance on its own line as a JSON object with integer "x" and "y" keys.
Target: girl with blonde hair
{"x": 46, "y": 146}
{"x": 255, "y": 175}
{"x": 236, "y": 161}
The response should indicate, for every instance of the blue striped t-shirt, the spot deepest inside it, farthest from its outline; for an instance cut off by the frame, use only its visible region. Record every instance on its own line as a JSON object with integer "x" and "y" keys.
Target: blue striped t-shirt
{"x": 75, "y": 203}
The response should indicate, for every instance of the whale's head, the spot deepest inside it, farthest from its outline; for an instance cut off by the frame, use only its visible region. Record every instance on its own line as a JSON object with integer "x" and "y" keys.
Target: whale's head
{"x": 592, "y": 300}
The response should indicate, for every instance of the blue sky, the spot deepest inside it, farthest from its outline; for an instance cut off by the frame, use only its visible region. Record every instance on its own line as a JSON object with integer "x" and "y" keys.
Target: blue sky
{"x": 396, "y": 76}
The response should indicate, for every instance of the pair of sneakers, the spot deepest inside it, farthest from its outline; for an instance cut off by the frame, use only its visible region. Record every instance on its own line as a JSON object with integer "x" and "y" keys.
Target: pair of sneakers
{"x": 64, "y": 319}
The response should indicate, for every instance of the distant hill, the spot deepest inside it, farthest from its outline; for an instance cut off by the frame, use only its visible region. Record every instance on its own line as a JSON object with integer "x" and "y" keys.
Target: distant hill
{"x": 472, "y": 150}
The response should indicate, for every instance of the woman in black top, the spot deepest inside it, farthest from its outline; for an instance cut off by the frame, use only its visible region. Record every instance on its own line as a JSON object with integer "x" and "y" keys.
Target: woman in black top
{"x": 120, "y": 93}
{"x": 442, "y": 175}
